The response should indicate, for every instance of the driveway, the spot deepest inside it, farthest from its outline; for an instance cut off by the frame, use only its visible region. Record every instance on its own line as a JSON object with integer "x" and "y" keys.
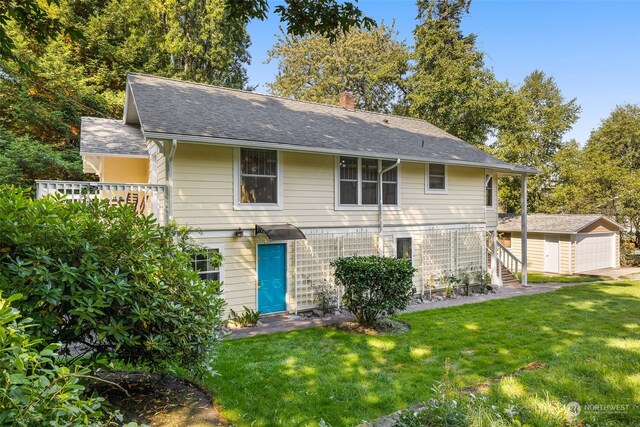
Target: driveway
{"x": 616, "y": 273}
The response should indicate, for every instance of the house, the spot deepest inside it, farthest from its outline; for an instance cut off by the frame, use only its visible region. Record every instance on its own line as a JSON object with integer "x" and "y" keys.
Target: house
{"x": 283, "y": 187}
{"x": 565, "y": 244}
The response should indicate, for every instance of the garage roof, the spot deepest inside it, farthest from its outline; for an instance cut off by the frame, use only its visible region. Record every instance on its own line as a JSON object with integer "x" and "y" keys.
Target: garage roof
{"x": 552, "y": 223}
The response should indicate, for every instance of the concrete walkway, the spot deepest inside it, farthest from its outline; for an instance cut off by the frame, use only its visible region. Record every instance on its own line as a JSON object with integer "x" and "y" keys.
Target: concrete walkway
{"x": 288, "y": 322}
{"x": 631, "y": 273}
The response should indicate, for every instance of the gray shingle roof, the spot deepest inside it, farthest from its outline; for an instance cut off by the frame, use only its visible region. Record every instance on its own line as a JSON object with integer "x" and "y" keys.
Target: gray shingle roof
{"x": 548, "y": 223}
{"x": 174, "y": 107}
{"x": 111, "y": 137}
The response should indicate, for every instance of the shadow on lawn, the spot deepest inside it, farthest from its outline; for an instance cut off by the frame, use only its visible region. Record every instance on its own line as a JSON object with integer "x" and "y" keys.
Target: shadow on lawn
{"x": 300, "y": 377}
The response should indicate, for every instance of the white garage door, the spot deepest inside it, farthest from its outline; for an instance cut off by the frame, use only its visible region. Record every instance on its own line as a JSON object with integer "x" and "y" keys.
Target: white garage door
{"x": 594, "y": 251}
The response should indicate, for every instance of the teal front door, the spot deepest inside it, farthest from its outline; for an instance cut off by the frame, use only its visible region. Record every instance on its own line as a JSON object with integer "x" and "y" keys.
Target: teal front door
{"x": 272, "y": 277}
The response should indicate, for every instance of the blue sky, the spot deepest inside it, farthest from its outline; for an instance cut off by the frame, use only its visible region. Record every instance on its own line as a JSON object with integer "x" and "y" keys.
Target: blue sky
{"x": 591, "y": 48}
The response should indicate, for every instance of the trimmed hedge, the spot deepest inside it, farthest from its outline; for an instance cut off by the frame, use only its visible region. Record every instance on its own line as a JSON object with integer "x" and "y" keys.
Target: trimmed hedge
{"x": 374, "y": 286}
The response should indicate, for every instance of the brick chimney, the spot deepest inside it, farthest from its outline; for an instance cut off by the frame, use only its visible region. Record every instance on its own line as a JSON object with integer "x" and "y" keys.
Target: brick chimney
{"x": 347, "y": 100}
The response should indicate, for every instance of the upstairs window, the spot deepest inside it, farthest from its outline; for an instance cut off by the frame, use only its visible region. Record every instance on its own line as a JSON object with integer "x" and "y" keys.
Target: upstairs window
{"x": 258, "y": 177}
{"x": 489, "y": 191}
{"x": 436, "y": 177}
{"x": 358, "y": 182}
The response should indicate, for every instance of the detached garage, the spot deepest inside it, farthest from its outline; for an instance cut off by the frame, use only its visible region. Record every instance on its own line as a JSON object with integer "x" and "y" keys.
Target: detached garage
{"x": 564, "y": 244}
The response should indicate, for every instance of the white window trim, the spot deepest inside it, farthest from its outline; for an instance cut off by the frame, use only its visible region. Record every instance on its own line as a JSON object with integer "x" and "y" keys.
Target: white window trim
{"x": 220, "y": 248}
{"x": 256, "y": 206}
{"x": 359, "y": 206}
{"x": 494, "y": 191}
{"x": 428, "y": 190}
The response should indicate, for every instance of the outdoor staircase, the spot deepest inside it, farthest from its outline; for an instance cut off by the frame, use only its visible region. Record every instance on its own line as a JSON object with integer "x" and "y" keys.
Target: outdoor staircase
{"x": 508, "y": 266}
{"x": 508, "y": 278}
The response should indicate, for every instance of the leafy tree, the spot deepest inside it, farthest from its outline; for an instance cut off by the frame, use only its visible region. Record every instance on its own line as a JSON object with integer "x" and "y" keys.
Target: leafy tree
{"x": 36, "y": 389}
{"x": 619, "y": 135}
{"x": 325, "y": 17}
{"x": 203, "y": 44}
{"x": 23, "y": 160}
{"x": 108, "y": 281}
{"x": 312, "y": 68}
{"x": 601, "y": 177}
{"x": 374, "y": 286}
{"x": 450, "y": 85}
{"x": 533, "y": 121}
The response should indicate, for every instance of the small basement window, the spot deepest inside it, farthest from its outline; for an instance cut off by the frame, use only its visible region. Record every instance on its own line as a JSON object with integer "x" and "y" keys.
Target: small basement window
{"x": 202, "y": 263}
{"x": 404, "y": 248}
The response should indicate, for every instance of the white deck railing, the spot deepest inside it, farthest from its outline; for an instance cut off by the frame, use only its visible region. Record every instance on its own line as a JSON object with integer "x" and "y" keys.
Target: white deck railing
{"x": 147, "y": 198}
{"x": 508, "y": 259}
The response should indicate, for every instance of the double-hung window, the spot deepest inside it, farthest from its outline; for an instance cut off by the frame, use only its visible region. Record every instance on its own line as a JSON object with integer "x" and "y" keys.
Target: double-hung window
{"x": 258, "y": 178}
{"x": 358, "y": 182}
{"x": 489, "y": 193}
{"x": 436, "y": 179}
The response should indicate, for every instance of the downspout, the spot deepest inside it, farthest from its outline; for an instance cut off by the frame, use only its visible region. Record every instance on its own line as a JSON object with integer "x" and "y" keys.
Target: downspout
{"x": 523, "y": 229}
{"x": 172, "y": 154}
{"x": 381, "y": 205}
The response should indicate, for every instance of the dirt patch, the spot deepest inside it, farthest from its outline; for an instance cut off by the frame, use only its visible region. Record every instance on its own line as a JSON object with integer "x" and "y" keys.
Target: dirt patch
{"x": 158, "y": 400}
{"x": 533, "y": 366}
{"x": 383, "y": 326}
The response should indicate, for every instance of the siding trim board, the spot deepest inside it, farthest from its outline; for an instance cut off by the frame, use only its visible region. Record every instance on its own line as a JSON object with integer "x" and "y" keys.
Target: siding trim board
{"x": 225, "y": 142}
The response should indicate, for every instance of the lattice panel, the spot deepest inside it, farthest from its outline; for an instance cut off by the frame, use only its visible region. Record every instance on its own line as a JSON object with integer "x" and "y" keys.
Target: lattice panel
{"x": 313, "y": 258}
{"x": 314, "y": 255}
{"x": 437, "y": 257}
{"x": 452, "y": 252}
{"x": 471, "y": 251}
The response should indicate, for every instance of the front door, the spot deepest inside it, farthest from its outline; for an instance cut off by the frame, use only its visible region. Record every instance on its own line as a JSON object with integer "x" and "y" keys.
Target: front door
{"x": 272, "y": 277}
{"x": 552, "y": 254}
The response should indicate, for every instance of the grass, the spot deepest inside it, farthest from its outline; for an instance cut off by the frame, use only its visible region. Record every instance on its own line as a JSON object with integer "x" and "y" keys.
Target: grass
{"x": 559, "y": 278}
{"x": 589, "y": 336}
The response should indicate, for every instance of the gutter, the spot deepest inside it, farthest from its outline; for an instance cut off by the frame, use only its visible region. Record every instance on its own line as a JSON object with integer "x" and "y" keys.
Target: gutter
{"x": 507, "y": 168}
{"x": 381, "y": 204}
{"x": 169, "y": 178}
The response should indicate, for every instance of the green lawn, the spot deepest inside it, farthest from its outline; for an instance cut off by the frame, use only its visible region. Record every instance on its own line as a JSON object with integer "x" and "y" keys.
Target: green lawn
{"x": 588, "y": 335}
{"x": 559, "y": 278}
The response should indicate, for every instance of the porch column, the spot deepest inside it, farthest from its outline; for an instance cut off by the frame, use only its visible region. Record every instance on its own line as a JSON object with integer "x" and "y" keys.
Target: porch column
{"x": 494, "y": 258}
{"x": 523, "y": 229}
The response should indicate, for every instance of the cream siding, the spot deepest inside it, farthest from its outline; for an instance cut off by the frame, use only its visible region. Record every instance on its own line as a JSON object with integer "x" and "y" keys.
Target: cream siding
{"x": 203, "y": 194}
{"x": 125, "y": 169}
{"x": 567, "y": 251}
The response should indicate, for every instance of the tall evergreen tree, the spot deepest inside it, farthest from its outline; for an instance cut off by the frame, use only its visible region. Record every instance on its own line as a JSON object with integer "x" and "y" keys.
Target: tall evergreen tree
{"x": 450, "y": 85}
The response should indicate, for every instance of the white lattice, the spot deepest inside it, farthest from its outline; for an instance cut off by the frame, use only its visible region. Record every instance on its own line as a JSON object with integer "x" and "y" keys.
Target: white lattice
{"x": 314, "y": 255}
{"x": 452, "y": 252}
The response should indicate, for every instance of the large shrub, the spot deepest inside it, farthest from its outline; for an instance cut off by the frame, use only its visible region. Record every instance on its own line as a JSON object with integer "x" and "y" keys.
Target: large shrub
{"x": 35, "y": 390}
{"x": 101, "y": 279}
{"x": 374, "y": 286}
